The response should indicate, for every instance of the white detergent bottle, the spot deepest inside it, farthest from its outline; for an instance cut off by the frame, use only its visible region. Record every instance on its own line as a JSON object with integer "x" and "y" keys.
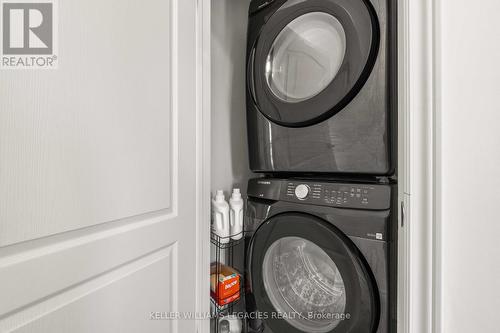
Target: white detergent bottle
{"x": 220, "y": 217}
{"x": 236, "y": 214}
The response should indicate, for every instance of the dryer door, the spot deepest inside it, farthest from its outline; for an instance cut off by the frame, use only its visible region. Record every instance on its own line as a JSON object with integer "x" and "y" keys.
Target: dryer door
{"x": 309, "y": 277}
{"x": 311, "y": 58}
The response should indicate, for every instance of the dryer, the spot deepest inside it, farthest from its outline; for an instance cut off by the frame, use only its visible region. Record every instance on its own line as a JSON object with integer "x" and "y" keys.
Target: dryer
{"x": 321, "y": 86}
{"x": 320, "y": 257}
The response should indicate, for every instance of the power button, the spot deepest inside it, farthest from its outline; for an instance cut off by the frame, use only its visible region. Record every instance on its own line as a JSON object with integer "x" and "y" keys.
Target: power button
{"x": 302, "y": 191}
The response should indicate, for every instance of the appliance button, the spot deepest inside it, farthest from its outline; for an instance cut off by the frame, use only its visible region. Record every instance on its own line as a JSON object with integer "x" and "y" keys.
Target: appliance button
{"x": 302, "y": 191}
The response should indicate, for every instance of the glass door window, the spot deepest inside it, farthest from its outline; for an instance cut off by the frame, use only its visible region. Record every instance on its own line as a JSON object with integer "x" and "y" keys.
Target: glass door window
{"x": 305, "y": 57}
{"x": 303, "y": 281}
{"x": 309, "y": 278}
{"x": 311, "y": 58}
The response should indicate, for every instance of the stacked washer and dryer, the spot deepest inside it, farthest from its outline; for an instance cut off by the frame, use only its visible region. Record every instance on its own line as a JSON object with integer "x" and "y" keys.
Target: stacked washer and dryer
{"x": 321, "y": 222}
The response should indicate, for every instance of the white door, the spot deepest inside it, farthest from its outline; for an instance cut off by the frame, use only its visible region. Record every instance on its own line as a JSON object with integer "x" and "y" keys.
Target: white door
{"x": 98, "y": 174}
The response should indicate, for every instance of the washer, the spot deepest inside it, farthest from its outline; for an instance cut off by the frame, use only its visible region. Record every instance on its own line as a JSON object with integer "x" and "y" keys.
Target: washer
{"x": 320, "y": 257}
{"x": 321, "y": 86}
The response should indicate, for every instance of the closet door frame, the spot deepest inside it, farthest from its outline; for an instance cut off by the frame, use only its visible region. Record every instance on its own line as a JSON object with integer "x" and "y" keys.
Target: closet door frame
{"x": 419, "y": 164}
{"x": 203, "y": 137}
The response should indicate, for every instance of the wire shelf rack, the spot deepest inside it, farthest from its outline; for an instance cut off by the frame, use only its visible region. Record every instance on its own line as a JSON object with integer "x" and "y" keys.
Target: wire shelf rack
{"x": 223, "y": 254}
{"x": 224, "y": 243}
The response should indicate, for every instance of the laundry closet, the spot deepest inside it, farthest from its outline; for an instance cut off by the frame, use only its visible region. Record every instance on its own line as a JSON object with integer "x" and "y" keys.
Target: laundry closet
{"x": 304, "y": 123}
{"x": 337, "y": 142}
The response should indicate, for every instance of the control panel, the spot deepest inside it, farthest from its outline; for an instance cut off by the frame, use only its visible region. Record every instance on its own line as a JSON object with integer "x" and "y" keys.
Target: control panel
{"x": 324, "y": 193}
{"x": 367, "y": 196}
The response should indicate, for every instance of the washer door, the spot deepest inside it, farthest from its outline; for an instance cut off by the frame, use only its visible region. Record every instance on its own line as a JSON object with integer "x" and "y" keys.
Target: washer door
{"x": 309, "y": 277}
{"x": 311, "y": 59}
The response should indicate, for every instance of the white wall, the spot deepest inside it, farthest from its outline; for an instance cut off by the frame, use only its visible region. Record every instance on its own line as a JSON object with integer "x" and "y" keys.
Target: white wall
{"x": 229, "y": 141}
{"x": 469, "y": 79}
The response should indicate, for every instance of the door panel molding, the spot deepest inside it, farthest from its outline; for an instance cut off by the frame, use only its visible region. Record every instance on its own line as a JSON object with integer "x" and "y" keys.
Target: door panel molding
{"x": 63, "y": 146}
{"x": 166, "y": 256}
{"x": 95, "y": 254}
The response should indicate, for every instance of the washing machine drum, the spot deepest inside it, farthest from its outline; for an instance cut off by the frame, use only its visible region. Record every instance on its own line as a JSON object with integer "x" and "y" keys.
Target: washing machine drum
{"x": 311, "y": 59}
{"x": 308, "y": 277}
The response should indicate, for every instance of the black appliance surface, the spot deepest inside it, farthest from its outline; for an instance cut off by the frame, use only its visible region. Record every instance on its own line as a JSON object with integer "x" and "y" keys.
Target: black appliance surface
{"x": 321, "y": 86}
{"x": 320, "y": 256}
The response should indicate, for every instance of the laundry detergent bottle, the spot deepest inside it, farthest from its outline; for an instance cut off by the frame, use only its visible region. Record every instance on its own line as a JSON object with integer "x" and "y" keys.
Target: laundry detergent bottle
{"x": 236, "y": 214}
{"x": 220, "y": 217}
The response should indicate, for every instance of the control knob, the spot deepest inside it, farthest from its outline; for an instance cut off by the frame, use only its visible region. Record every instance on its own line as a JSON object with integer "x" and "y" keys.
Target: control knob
{"x": 302, "y": 191}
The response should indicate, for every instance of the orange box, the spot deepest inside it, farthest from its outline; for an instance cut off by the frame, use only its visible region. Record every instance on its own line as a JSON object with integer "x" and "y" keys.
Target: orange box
{"x": 226, "y": 288}
{"x": 226, "y": 301}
